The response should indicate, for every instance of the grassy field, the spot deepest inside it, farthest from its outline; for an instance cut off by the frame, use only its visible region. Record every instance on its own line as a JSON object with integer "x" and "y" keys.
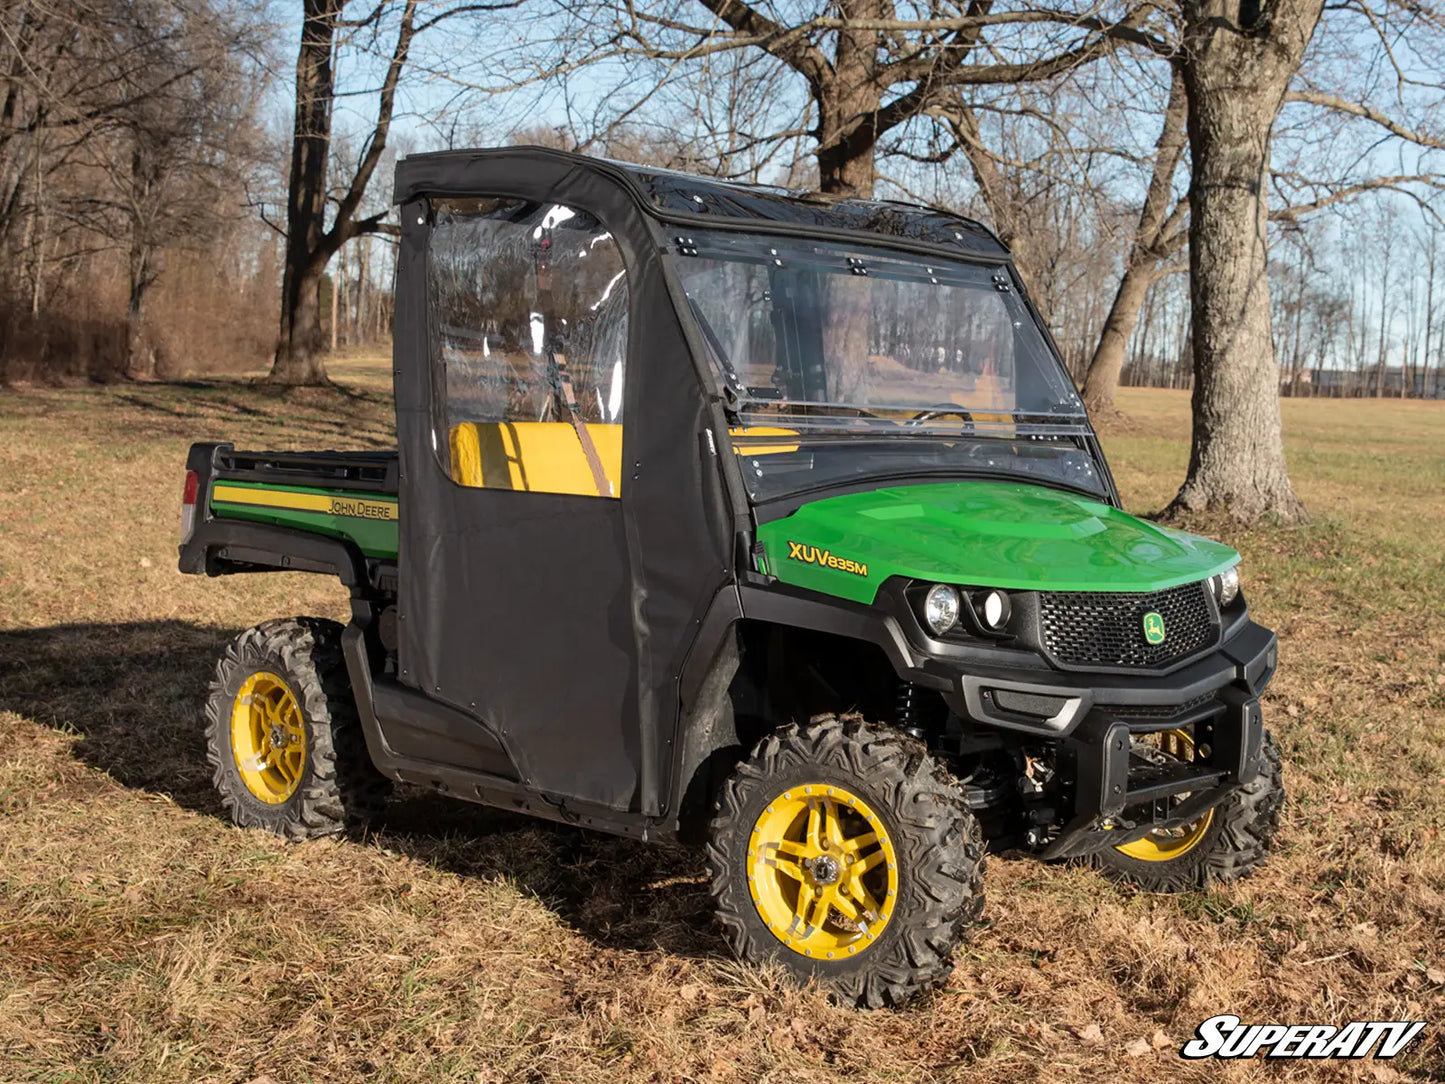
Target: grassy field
{"x": 142, "y": 938}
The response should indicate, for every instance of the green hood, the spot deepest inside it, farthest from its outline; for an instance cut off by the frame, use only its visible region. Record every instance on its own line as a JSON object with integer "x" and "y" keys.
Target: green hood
{"x": 986, "y": 534}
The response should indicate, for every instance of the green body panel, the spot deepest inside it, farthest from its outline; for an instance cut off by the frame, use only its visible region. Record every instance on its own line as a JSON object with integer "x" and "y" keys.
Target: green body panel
{"x": 374, "y": 537}
{"x": 985, "y": 534}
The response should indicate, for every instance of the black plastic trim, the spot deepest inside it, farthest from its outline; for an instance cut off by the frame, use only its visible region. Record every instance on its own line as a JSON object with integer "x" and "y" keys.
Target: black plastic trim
{"x": 722, "y": 615}
{"x": 966, "y": 645}
{"x": 368, "y": 472}
{"x": 1227, "y": 757}
{"x": 1033, "y": 636}
{"x": 1246, "y": 664}
{"x": 417, "y": 726}
{"x": 796, "y": 608}
{"x": 999, "y": 655}
{"x": 222, "y": 547}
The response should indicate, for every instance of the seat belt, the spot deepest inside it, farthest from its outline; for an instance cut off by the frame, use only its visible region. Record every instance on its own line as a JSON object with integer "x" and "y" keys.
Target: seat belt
{"x": 562, "y": 386}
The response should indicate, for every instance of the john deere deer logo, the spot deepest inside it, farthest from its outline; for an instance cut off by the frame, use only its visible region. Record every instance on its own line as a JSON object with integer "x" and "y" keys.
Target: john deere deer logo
{"x": 1154, "y": 627}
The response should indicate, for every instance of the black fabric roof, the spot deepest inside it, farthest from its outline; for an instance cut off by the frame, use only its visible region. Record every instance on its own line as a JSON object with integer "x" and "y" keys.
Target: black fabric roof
{"x": 687, "y": 199}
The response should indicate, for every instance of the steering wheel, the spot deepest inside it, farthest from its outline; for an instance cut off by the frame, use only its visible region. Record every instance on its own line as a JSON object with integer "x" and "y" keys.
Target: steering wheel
{"x": 944, "y": 410}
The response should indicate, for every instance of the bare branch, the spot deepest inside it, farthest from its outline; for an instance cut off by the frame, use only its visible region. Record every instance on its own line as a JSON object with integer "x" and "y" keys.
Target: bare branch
{"x": 788, "y": 45}
{"x": 1368, "y": 112}
{"x": 1400, "y": 184}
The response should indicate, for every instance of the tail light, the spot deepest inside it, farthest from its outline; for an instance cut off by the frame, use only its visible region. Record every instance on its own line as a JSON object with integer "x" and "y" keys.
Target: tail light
{"x": 188, "y": 505}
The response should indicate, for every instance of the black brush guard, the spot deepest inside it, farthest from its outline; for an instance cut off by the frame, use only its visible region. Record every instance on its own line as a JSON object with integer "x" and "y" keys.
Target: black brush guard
{"x": 1111, "y": 780}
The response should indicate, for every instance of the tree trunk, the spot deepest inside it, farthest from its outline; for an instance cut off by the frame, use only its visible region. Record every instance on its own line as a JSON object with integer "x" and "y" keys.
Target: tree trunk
{"x": 363, "y": 292}
{"x": 35, "y": 236}
{"x": 1296, "y": 357}
{"x": 1429, "y": 319}
{"x": 1380, "y": 357}
{"x": 848, "y": 103}
{"x": 299, "y": 354}
{"x": 1102, "y": 382}
{"x": 1003, "y": 208}
{"x": 845, "y": 166}
{"x": 1436, "y": 387}
{"x": 1146, "y": 345}
{"x": 1236, "y": 67}
{"x": 299, "y": 345}
{"x": 140, "y": 361}
{"x": 140, "y": 358}
{"x": 1149, "y": 246}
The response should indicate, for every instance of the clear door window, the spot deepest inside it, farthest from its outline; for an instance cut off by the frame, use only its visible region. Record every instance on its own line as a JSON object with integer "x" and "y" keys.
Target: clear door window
{"x": 528, "y": 319}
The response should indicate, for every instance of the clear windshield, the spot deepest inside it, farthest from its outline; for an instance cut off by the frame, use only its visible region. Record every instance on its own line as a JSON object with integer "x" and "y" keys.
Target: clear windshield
{"x": 879, "y": 363}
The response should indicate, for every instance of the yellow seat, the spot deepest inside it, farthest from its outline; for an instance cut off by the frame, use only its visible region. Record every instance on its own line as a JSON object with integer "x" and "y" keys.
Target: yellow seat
{"x": 538, "y": 457}
{"x": 750, "y": 446}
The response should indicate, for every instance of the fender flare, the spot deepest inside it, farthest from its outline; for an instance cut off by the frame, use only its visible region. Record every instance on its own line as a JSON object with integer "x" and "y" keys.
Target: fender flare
{"x": 223, "y": 547}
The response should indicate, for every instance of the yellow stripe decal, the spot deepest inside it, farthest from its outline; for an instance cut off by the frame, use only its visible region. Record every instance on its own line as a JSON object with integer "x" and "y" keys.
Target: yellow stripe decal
{"x": 354, "y": 507}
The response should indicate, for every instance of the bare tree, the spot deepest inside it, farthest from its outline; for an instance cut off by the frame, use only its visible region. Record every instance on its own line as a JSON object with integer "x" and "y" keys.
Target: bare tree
{"x": 1327, "y": 163}
{"x": 1431, "y": 316}
{"x": 310, "y": 244}
{"x": 310, "y": 241}
{"x": 1159, "y": 234}
{"x": 123, "y": 132}
{"x": 1034, "y": 184}
{"x": 175, "y": 152}
{"x": 865, "y": 69}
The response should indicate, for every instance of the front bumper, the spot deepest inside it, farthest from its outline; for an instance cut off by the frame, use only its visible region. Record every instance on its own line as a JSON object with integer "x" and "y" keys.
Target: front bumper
{"x": 1053, "y": 704}
{"x": 1117, "y": 796}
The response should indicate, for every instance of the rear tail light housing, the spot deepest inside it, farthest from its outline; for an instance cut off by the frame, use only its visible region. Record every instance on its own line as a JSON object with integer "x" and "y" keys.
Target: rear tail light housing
{"x": 188, "y": 505}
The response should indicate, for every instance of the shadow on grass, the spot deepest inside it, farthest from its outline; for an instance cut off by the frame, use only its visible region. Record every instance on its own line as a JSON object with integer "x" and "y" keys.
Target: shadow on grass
{"x": 134, "y": 694}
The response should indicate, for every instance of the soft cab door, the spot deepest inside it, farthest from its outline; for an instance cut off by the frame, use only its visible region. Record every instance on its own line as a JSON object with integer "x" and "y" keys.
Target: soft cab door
{"x": 515, "y": 577}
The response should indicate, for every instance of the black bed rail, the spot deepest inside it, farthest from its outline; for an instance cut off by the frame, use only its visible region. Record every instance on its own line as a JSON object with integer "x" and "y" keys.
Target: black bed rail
{"x": 374, "y": 472}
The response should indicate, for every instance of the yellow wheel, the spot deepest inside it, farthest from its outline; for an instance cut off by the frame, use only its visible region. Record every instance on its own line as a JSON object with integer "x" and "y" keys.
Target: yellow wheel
{"x": 847, "y": 854}
{"x": 1166, "y": 844}
{"x": 822, "y": 870}
{"x": 283, "y": 739}
{"x": 268, "y": 737}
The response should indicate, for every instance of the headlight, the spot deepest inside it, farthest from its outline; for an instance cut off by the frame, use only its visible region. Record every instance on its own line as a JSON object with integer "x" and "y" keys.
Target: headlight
{"x": 994, "y": 610}
{"x": 940, "y": 608}
{"x": 1226, "y": 586}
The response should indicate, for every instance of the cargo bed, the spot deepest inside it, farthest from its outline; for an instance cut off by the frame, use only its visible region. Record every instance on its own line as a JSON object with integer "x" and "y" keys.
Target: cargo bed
{"x": 265, "y": 510}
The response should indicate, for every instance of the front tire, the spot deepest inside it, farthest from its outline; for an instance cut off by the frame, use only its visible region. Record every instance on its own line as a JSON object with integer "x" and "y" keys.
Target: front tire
{"x": 282, "y": 735}
{"x": 1230, "y": 842}
{"x": 846, "y": 853}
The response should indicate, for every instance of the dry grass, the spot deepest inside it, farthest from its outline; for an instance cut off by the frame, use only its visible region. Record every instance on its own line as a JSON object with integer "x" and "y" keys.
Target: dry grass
{"x": 144, "y": 939}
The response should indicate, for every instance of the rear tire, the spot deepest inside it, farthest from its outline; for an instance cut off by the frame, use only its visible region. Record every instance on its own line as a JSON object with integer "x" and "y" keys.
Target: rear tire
{"x": 282, "y": 735}
{"x": 1238, "y": 838}
{"x": 895, "y": 845}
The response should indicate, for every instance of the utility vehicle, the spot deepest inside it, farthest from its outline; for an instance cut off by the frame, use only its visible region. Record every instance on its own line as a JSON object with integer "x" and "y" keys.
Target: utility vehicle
{"x": 727, "y": 514}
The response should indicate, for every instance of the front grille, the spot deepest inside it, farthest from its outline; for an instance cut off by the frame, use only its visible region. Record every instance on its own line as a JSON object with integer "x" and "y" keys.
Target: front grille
{"x": 1106, "y": 629}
